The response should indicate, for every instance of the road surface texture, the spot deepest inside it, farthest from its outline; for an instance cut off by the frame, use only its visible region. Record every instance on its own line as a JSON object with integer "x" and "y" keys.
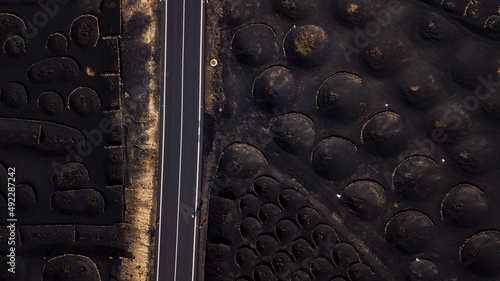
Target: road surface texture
{"x": 351, "y": 140}
{"x": 181, "y": 154}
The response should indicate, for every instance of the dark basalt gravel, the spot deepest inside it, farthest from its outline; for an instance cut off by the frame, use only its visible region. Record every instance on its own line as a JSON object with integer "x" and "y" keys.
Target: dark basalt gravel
{"x": 62, "y": 129}
{"x": 352, "y": 140}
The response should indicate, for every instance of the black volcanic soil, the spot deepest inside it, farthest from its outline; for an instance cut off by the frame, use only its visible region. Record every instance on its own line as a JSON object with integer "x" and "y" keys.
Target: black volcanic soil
{"x": 72, "y": 134}
{"x": 352, "y": 140}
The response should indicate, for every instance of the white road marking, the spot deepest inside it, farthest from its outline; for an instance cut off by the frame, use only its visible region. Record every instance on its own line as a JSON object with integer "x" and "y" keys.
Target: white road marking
{"x": 163, "y": 144}
{"x": 198, "y": 166}
{"x": 181, "y": 140}
{"x": 181, "y": 137}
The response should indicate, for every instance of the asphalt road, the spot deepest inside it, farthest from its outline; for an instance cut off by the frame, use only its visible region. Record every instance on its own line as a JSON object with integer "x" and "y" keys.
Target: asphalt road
{"x": 181, "y": 138}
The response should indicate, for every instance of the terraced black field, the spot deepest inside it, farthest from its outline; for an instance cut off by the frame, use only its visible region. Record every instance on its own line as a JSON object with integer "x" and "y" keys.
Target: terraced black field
{"x": 352, "y": 140}
{"x": 62, "y": 141}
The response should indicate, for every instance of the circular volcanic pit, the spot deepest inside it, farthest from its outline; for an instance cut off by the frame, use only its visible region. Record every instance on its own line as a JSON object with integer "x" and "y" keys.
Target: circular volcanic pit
{"x": 292, "y": 9}
{"x": 364, "y": 198}
{"x": 294, "y": 133}
{"x": 341, "y": 96}
{"x": 335, "y": 158}
{"x": 464, "y": 206}
{"x": 275, "y": 89}
{"x": 409, "y": 231}
{"x": 384, "y": 134}
{"x": 255, "y": 45}
{"x": 307, "y": 45}
{"x": 480, "y": 254}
